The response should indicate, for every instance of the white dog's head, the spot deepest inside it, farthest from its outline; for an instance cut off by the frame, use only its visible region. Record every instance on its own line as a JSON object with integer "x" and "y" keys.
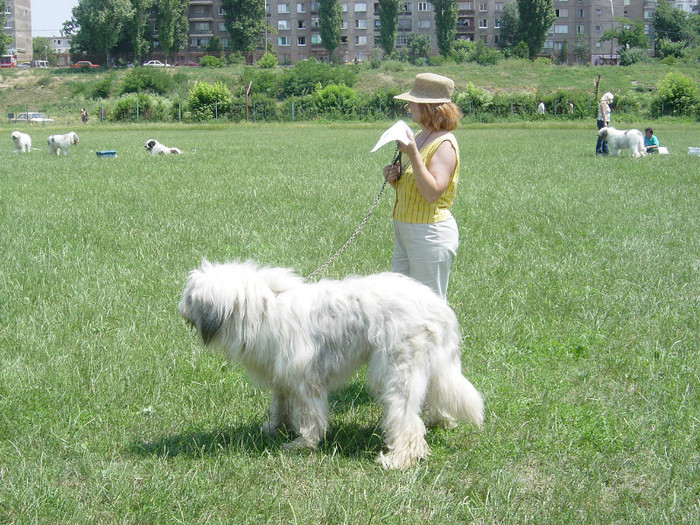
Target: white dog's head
{"x": 603, "y": 133}
{"x": 73, "y": 137}
{"x": 150, "y": 144}
{"x": 16, "y": 136}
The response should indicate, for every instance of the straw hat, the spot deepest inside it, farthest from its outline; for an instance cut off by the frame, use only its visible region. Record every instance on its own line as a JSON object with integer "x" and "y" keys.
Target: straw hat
{"x": 429, "y": 88}
{"x": 608, "y": 97}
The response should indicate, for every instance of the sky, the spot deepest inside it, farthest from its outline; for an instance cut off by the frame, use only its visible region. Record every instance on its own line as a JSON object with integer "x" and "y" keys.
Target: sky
{"x": 48, "y": 16}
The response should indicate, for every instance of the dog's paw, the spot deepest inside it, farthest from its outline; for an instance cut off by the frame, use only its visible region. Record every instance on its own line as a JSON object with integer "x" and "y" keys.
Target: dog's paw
{"x": 299, "y": 444}
{"x": 268, "y": 429}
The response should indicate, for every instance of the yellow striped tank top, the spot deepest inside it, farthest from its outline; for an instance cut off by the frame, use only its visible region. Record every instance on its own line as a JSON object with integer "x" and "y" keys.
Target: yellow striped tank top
{"x": 410, "y": 206}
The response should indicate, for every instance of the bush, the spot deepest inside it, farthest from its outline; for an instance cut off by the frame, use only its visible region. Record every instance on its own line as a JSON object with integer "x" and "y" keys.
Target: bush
{"x": 267, "y": 61}
{"x": 676, "y": 95}
{"x": 236, "y": 59}
{"x": 473, "y": 99}
{"x": 151, "y": 79}
{"x": 103, "y": 88}
{"x": 303, "y": 78}
{"x": 632, "y": 56}
{"x": 336, "y": 99}
{"x": 138, "y": 106}
{"x": 210, "y": 61}
{"x": 207, "y": 101}
{"x": 264, "y": 81}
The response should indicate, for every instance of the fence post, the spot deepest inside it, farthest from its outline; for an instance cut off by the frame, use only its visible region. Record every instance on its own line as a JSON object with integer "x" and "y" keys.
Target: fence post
{"x": 137, "y": 110}
{"x": 179, "y": 112}
{"x": 292, "y": 111}
{"x": 216, "y": 109}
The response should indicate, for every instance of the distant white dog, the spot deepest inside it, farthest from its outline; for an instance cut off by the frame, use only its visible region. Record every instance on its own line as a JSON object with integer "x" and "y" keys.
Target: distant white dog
{"x": 156, "y": 148}
{"x": 619, "y": 139}
{"x": 302, "y": 340}
{"x": 23, "y": 142}
{"x": 60, "y": 143}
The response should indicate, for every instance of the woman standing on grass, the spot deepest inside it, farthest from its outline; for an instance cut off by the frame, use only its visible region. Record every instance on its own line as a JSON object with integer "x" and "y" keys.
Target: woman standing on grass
{"x": 425, "y": 179}
{"x": 601, "y": 147}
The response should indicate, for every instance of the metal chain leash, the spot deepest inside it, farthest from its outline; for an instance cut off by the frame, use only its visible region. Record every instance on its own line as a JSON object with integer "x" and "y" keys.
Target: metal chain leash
{"x": 397, "y": 158}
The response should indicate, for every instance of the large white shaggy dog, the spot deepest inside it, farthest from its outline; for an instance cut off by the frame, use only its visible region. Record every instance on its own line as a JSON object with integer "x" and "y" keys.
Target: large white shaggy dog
{"x": 60, "y": 143}
{"x": 302, "y": 340}
{"x": 619, "y": 139}
{"x": 22, "y": 141}
{"x": 156, "y": 148}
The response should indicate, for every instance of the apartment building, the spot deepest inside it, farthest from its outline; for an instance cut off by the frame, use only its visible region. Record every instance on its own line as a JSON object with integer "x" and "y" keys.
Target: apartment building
{"x": 293, "y": 29}
{"x": 18, "y": 25}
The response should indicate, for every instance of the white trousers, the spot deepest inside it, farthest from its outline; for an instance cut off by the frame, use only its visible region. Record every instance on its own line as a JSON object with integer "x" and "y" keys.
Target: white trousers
{"x": 425, "y": 252}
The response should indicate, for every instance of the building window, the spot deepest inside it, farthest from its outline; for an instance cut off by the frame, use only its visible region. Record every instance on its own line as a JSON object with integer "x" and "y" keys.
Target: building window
{"x": 580, "y": 29}
{"x": 404, "y": 24}
{"x": 225, "y": 42}
{"x": 599, "y": 12}
{"x": 282, "y": 24}
{"x": 483, "y": 7}
{"x": 360, "y": 40}
{"x": 483, "y": 23}
{"x": 222, "y": 27}
{"x": 283, "y": 8}
{"x": 314, "y": 22}
{"x": 361, "y": 7}
{"x": 201, "y": 26}
{"x": 581, "y": 13}
{"x": 424, "y": 24}
{"x": 301, "y": 40}
{"x": 315, "y": 39}
{"x": 406, "y": 8}
{"x": 466, "y": 6}
{"x": 301, "y": 24}
{"x": 222, "y": 11}
{"x": 498, "y": 7}
{"x": 496, "y": 24}
{"x": 283, "y": 41}
{"x": 561, "y": 13}
{"x": 548, "y": 44}
{"x": 344, "y": 8}
{"x": 597, "y": 29}
{"x": 360, "y": 23}
{"x": 423, "y": 7}
{"x": 561, "y": 29}
{"x": 343, "y": 24}
{"x": 301, "y": 8}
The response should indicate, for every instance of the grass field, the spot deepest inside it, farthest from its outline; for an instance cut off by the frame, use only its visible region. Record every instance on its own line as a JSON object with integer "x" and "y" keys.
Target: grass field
{"x": 577, "y": 287}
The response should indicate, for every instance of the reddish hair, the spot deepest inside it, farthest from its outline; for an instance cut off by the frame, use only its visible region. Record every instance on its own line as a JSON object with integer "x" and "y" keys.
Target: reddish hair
{"x": 439, "y": 117}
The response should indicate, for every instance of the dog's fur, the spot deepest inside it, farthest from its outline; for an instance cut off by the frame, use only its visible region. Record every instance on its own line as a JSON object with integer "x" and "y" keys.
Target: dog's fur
{"x": 619, "y": 139}
{"x": 302, "y": 340}
{"x": 156, "y": 148}
{"x": 23, "y": 142}
{"x": 60, "y": 143}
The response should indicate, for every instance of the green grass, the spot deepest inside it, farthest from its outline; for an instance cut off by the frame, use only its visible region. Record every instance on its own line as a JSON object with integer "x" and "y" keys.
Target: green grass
{"x": 576, "y": 285}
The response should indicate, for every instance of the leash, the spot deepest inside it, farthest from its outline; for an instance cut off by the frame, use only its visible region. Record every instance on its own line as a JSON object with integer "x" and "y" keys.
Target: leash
{"x": 397, "y": 158}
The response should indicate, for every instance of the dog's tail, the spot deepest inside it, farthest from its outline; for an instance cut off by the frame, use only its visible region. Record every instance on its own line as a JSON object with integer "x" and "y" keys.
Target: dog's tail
{"x": 451, "y": 393}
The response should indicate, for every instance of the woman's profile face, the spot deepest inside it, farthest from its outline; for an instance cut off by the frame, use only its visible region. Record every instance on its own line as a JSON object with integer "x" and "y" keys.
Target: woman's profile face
{"x": 414, "y": 110}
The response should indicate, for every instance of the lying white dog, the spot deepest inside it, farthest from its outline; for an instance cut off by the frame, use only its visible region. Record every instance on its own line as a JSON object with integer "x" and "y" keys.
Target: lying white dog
{"x": 302, "y": 340}
{"x": 619, "y": 139}
{"x": 156, "y": 148}
{"x": 23, "y": 142}
{"x": 60, "y": 143}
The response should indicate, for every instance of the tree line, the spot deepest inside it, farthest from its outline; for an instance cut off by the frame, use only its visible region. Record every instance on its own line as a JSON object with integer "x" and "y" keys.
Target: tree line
{"x": 109, "y": 28}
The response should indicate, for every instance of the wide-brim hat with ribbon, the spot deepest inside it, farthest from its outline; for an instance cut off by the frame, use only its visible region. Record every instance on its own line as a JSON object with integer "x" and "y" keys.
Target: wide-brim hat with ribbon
{"x": 429, "y": 88}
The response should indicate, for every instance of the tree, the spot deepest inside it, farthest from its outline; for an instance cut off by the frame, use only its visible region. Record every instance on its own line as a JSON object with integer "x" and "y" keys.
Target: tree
{"x": 388, "y": 20}
{"x": 245, "y": 22}
{"x": 510, "y": 22}
{"x": 330, "y": 19}
{"x": 5, "y": 39}
{"x": 628, "y": 34}
{"x": 214, "y": 47}
{"x": 418, "y": 48}
{"x": 445, "y": 24}
{"x": 673, "y": 24}
{"x": 564, "y": 52}
{"x": 41, "y": 49}
{"x": 172, "y": 25}
{"x": 581, "y": 49}
{"x": 536, "y": 18}
{"x": 96, "y": 25}
{"x": 136, "y": 28}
